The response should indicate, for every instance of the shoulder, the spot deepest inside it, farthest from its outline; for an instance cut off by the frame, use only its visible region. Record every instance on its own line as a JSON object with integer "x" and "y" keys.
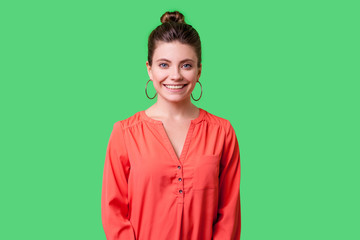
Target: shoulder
{"x": 224, "y": 123}
{"x": 130, "y": 120}
{"x": 217, "y": 119}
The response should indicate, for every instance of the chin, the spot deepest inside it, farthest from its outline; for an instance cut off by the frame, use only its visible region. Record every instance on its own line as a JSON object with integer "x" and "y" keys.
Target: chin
{"x": 174, "y": 99}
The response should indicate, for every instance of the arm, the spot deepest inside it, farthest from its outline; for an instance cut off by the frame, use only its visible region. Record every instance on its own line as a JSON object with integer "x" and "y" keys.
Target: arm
{"x": 114, "y": 197}
{"x": 228, "y": 222}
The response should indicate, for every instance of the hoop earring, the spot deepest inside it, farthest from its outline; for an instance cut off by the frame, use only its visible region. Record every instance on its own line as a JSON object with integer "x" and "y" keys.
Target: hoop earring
{"x": 200, "y": 93}
{"x": 146, "y": 91}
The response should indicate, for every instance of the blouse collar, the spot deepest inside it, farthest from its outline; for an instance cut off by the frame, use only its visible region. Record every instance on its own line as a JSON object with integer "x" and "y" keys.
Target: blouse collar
{"x": 149, "y": 119}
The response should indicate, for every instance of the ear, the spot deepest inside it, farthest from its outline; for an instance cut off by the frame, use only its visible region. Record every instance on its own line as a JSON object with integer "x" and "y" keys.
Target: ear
{"x": 149, "y": 69}
{"x": 199, "y": 71}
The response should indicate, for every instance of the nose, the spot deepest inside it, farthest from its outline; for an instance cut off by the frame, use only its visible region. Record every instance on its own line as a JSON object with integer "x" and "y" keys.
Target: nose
{"x": 175, "y": 74}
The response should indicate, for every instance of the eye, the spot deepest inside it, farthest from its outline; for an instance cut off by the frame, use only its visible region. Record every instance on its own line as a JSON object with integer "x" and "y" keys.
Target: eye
{"x": 188, "y": 65}
{"x": 162, "y": 64}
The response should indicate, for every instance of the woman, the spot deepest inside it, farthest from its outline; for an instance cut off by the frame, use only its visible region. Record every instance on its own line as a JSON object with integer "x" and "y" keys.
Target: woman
{"x": 172, "y": 171}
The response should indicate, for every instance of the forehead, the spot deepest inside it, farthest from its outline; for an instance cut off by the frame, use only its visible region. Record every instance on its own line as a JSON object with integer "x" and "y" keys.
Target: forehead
{"x": 173, "y": 51}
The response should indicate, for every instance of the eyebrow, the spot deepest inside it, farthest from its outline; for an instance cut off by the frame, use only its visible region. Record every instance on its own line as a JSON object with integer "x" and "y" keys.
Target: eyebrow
{"x": 164, "y": 59}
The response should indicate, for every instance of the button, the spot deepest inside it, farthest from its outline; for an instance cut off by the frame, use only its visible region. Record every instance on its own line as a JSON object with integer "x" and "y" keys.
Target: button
{"x": 179, "y": 179}
{"x": 179, "y": 167}
{"x": 180, "y": 191}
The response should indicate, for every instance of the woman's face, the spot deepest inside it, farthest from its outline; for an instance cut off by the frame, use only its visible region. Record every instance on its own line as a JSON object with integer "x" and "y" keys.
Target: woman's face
{"x": 174, "y": 64}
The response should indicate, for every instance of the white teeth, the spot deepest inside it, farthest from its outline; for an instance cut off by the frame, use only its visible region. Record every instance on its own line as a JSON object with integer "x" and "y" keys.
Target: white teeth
{"x": 174, "y": 86}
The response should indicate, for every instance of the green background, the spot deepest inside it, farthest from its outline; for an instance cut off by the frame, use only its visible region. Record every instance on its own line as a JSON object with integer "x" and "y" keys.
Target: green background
{"x": 285, "y": 73}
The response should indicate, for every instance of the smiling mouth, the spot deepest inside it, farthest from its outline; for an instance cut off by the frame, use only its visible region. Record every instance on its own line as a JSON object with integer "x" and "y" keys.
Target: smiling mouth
{"x": 175, "y": 86}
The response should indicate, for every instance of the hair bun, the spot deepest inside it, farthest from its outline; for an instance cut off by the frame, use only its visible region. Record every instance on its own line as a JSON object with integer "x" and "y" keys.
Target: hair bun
{"x": 172, "y": 17}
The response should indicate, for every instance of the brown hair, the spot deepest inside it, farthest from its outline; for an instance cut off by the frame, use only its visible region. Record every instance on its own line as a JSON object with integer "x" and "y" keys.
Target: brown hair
{"x": 174, "y": 28}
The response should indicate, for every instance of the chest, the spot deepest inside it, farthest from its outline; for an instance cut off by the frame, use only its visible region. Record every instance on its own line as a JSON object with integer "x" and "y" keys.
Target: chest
{"x": 176, "y": 133}
{"x": 174, "y": 156}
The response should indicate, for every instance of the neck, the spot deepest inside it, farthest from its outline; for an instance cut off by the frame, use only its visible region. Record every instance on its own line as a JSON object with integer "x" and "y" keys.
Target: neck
{"x": 174, "y": 110}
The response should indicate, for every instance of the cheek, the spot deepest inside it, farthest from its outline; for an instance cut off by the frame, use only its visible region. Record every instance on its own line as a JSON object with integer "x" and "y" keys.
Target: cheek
{"x": 159, "y": 75}
{"x": 191, "y": 74}
{"x": 158, "y": 79}
{"x": 163, "y": 75}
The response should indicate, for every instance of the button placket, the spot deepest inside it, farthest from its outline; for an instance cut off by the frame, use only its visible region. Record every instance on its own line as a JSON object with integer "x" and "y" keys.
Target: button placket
{"x": 180, "y": 180}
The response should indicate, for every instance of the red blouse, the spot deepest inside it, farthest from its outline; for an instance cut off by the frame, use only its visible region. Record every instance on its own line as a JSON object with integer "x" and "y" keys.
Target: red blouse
{"x": 148, "y": 193}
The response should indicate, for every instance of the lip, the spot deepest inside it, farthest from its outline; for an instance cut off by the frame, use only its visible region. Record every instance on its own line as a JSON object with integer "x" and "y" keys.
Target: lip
{"x": 174, "y": 84}
{"x": 176, "y": 90}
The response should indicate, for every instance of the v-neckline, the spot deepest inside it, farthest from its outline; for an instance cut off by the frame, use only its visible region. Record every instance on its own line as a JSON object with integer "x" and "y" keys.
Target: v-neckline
{"x": 166, "y": 138}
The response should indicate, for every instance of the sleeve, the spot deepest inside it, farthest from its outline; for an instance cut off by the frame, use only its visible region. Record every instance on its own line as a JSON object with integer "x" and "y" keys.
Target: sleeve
{"x": 228, "y": 223}
{"x": 114, "y": 196}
